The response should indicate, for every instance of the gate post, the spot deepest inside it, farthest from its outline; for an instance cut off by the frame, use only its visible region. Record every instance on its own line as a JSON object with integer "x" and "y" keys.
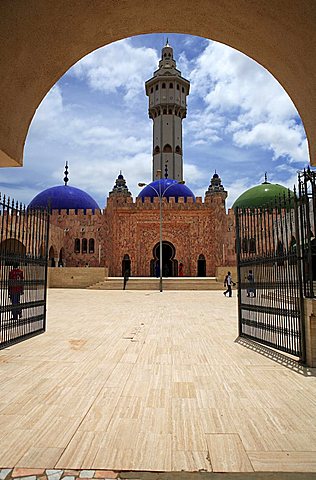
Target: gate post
{"x": 310, "y": 330}
{"x": 238, "y": 270}
{"x": 299, "y": 266}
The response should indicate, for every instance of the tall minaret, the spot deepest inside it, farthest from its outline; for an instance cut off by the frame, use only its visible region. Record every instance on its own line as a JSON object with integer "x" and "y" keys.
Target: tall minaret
{"x": 167, "y": 91}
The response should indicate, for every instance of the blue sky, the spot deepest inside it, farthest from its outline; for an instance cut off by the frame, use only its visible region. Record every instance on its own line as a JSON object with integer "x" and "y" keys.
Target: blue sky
{"x": 240, "y": 121}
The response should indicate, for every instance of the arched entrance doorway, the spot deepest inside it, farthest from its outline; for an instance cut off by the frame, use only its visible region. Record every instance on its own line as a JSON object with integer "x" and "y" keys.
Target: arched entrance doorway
{"x": 61, "y": 259}
{"x": 13, "y": 250}
{"x": 169, "y": 263}
{"x": 52, "y": 256}
{"x": 201, "y": 266}
{"x": 126, "y": 265}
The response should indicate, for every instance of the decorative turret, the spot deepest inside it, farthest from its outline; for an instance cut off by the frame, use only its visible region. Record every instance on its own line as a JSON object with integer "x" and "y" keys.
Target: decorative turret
{"x": 216, "y": 187}
{"x": 120, "y": 187}
{"x": 167, "y": 91}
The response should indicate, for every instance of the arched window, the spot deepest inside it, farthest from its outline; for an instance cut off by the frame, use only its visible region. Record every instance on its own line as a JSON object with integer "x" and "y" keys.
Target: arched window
{"x": 178, "y": 149}
{"x": 178, "y": 87}
{"x": 182, "y": 89}
{"x": 151, "y": 90}
{"x": 245, "y": 245}
{"x": 77, "y": 245}
{"x": 165, "y": 111}
{"x": 157, "y": 86}
{"x": 84, "y": 245}
{"x": 167, "y": 148}
{"x": 252, "y": 245}
{"x": 170, "y": 111}
{"x": 91, "y": 245}
{"x": 163, "y": 85}
{"x": 201, "y": 266}
{"x": 157, "y": 150}
{"x": 170, "y": 85}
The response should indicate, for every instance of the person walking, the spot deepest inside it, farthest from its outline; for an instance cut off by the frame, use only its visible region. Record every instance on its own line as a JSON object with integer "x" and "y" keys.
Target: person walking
{"x": 228, "y": 282}
{"x": 251, "y": 291}
{"x": 15, "y": 290}
{"x": 126, "y": 278}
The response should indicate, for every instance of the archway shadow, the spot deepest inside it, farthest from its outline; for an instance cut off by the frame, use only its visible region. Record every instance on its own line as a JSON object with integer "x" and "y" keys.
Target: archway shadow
{"x": 277, "y": 357}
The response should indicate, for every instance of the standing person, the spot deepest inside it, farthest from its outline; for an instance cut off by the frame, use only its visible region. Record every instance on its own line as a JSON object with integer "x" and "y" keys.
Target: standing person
{"x": 181, "y": 270}
{"x": 228, "y": 282}
{"x": 126, "y": 277}
{"x": 251, "y": 289}
{"x": 157, "y": 269}
{"x": 15, "y": 290}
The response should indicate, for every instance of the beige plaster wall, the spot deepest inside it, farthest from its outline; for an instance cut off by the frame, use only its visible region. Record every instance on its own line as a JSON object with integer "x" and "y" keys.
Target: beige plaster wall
{"x": 41, "y": 40}
{"x": 310, "y": 331}
{"x": 221, "y": 273}
{"x": 75, "y": 277}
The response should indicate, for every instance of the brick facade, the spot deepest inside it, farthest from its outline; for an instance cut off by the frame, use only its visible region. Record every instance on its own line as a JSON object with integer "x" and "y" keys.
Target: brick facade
{"x": 131, "y": 227}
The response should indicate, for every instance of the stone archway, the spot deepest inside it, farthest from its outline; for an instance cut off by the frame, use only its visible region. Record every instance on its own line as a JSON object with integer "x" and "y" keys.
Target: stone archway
{"x": 52, "y": 256}
{"x": 278, "y": 34}
{"x": 169, "y": 263}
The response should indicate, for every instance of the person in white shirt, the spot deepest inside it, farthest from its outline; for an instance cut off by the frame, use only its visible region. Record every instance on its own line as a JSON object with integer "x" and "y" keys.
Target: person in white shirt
{"x": 228, "y": 282}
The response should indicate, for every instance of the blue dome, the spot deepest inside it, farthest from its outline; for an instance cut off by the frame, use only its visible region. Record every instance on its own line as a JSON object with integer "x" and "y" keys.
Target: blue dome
{"x": 171, "y": 187}
{"x": 64, "y": 197}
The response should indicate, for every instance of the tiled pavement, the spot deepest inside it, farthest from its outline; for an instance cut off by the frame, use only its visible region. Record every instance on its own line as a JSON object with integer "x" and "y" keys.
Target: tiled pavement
{"x": 139, "y": 381}
{"x": 41, "y": 474}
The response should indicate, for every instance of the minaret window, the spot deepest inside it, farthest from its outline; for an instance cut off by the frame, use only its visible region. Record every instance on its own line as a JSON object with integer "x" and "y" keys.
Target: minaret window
{"x": 170, "y": 85}
{"x": 152, "y": 90}
{"x": 170, "y": 111}
{"x": 157, "y": 150}
{"x": 84, "y": 245}
{"x": 165, "y": 111}
{"x": 178, "y": 87}
{"x": 156, "y": 87}
{"x": 167, "y": 148}
{"x": 178, "y": 149}
{"x": 182, "y": 89}
{"x": 163, "y": 85}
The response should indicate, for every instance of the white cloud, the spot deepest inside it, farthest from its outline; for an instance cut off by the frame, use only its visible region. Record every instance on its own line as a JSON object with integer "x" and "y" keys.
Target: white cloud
{"x": 117, "y": 66}
{"x": 244, "y": 100}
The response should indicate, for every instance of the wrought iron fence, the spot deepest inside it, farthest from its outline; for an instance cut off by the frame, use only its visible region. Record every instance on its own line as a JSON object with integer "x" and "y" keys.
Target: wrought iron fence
{"x": 307, "y": 228}
{"x": 269, "y": 266}
{"x": 23, "y": 271}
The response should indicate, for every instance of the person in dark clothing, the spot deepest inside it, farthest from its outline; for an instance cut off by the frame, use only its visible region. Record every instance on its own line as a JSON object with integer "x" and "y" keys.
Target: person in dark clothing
{"x": 15, "y": 290}
{"x": 251, "y": 291}
{"x": 126, "y": 277}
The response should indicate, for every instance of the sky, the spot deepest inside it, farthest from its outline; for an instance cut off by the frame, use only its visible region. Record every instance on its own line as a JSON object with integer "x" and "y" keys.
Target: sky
{"x": 240, "y": 122}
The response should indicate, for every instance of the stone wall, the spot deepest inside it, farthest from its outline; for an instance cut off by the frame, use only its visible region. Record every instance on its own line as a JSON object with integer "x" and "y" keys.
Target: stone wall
{"x": 132, "y": 228}
{"x": 75, "y": 277}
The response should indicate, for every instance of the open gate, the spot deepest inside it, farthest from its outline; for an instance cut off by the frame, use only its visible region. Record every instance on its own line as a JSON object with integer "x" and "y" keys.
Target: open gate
{"x": 23, "y": 271}
{"x": 270, "y": 277}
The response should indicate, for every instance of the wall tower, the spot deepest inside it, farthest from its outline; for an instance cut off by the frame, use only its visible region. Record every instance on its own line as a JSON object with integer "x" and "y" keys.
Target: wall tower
{"x": 167, "y": 91}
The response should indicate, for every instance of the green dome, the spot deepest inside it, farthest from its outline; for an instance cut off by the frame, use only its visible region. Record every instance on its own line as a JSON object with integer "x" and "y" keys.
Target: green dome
{"x": 261, "y": 195}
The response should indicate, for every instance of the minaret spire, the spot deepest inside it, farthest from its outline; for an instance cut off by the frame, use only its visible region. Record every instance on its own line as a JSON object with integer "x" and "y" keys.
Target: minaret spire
{"x": 66, "y": 179}
{"x": 167, "y": 91}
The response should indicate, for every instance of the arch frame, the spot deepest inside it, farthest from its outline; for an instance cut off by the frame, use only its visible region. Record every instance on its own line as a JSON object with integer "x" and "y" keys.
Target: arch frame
{"x": 283, "y": 41}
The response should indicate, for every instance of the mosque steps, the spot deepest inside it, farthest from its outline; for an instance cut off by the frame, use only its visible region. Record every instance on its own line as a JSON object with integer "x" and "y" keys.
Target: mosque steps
{"x": 149, "y": 283}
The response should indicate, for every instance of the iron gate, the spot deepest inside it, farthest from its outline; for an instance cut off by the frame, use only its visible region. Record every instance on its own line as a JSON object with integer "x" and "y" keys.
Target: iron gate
{"x": 23, "y": 271}
{"x": 269, "y": 267}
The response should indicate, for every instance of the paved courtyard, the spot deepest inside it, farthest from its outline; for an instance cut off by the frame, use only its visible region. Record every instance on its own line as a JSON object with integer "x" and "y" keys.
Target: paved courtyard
{"x": 150, "y": 381}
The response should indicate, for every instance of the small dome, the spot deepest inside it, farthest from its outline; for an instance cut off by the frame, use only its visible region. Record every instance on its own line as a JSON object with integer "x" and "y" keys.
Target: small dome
{"x": 261, "y": 195}
{"x": 64, "y": 197}
{"x": 171, "y": 187}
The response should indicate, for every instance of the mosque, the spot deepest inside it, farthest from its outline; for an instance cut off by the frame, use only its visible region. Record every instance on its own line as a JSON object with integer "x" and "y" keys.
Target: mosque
{"x": 196, "y": 232}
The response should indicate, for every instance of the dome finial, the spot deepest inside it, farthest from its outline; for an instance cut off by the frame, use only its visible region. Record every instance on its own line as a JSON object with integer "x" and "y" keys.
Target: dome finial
{"x": 66, "y": 179}
{"x": 167, "y": 42}
{"x": 265, "y": 177}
